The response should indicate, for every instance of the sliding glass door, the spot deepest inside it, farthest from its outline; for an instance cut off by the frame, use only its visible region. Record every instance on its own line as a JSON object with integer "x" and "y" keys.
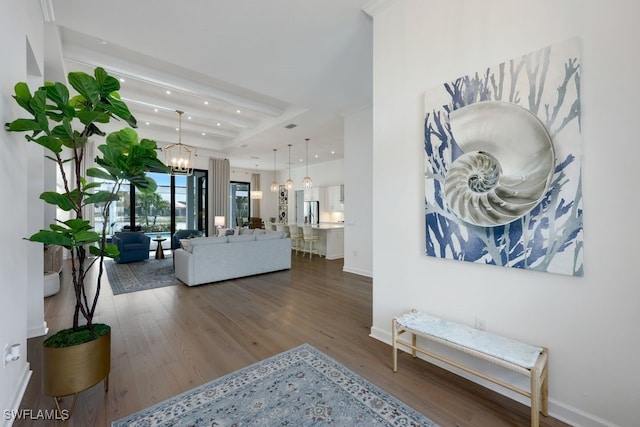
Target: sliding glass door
{"x": 239, "y": 206}
{"x": 179, "y": 203}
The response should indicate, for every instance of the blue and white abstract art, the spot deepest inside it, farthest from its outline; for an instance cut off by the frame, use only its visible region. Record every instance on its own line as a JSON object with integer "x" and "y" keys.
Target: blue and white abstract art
{"x": 503, "y": 186}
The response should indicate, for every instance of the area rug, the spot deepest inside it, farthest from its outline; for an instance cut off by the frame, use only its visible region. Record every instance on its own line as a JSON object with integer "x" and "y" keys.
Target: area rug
{"x": 300, "y": 387}
{"x": 140, "y": 276}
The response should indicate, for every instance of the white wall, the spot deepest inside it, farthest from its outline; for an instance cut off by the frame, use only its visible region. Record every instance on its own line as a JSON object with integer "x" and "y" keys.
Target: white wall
{"x": 589, "y": 323}
{"x": 19, "y": 22}
{"x": 358, "y": 157}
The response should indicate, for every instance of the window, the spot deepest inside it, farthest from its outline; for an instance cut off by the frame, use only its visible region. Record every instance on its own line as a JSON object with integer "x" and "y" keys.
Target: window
{"x": 240, "y": 206}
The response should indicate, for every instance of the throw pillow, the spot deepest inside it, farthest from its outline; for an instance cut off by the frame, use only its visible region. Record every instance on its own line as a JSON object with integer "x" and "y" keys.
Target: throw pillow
{"x": 226, "y": 232}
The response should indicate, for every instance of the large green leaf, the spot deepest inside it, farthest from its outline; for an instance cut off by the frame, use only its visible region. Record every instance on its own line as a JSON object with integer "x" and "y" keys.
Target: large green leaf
{"x": 77, "y": 224}
{"x": 100, "y": 173}
{"x": 144, "y": 184}
{"x": 23, "y": 125}
{"x": 106, "y": 82}
{"x": 90, "y": 116}
{"x": 63, "y": 130}
{"x": 85, "y": 85}
{"x": 23, "y": 96}
{"x": 120, "y": 109}
{"x": 60, "y": 200}
{"x": 93, "y": 130}
{"x": 52, "y": 238}
{"x": 100, "y": 197}
{"x": 53, "y": 144}
{"x": 59, "y": 94}
{"x": 86, "y": 236}
{"x": 38, "y": 104}
{"x": 91, "y": 186}
{"x": 110, "y": 250}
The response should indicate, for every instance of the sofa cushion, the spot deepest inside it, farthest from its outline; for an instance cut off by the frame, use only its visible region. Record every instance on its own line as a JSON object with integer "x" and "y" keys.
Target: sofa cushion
{"x": 244, "y": 231}
{"x": 188, "y": 244}
{"x": 245, "y": 238}
{"x": 270, "y": 236}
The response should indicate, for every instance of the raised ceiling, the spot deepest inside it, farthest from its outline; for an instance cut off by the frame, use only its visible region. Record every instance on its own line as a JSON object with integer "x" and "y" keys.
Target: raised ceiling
{"x": 241, "y": 70}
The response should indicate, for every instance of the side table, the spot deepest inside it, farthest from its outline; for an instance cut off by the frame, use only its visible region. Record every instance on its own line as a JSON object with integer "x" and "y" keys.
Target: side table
{"x": 159, "y": 251}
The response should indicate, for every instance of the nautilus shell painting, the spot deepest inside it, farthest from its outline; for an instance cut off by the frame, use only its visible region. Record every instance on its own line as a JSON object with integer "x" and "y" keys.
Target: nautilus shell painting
{"x": 502, "y": 164}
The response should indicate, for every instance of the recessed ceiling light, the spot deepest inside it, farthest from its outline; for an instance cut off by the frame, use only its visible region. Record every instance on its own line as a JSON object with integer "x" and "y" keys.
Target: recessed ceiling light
{"x": 189, "y": 117}
{"x": 316, "y": 156}
{"x": 333, "y": 152}
{"x": 218, "y": 124}
{"x": 146, "y": 123}
{"x": 168, "y": 92}
{"x": 121, "y": 80}
{"x": 155, "y": 109}
{"x": 177, "y": 129}
{"x": 206, "y": 102}
{"x": 204, "y": 134}
{"x": 238, "y": 111}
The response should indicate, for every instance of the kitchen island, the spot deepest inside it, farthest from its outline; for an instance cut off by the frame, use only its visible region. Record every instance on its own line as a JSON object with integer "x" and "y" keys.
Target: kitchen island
{"x": 331, "y": 240}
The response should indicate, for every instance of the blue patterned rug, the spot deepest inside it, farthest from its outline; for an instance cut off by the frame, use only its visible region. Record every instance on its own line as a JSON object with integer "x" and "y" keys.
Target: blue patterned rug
{"x": 300, "y": 387}
{"x": 140, "y": 276}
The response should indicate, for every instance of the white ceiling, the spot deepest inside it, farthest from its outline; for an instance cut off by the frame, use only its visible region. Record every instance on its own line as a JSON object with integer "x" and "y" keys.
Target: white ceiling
{"x": 258, "y": 64}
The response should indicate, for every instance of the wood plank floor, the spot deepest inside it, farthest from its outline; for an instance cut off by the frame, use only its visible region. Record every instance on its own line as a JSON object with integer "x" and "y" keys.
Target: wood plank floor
{"x": 168, "y": 340}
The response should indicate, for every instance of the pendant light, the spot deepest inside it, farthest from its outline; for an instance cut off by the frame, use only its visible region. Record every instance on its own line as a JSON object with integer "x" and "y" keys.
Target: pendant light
{"x": 306, "y": 182}
{"x": 289, "y": 184}
{"x": 274, "y": 185}
{"x": 179, "y": 157}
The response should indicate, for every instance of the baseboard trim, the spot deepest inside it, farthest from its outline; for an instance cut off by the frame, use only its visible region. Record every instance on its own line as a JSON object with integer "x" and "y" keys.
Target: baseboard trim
{"x": 357, "y": 271}
{"x": 20, "y": 391}
{"x": 558, "y": 410}
{"x": 38, "y": 331}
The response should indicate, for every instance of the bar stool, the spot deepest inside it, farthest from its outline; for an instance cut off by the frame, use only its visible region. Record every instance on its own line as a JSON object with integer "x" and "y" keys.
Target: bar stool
{"x": 310, "y": 237}
{"x": 280, "y": 227}
{"x": 296, "y": 237}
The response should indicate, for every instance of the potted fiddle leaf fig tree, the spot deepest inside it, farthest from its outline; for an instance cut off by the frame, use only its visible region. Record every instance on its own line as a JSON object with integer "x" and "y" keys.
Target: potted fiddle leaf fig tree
{"x": 77, "y": 358}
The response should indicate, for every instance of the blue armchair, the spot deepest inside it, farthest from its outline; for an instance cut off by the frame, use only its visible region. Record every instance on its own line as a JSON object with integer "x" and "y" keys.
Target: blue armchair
{"x": 184, "y": 234}
{"x": 132, "y": 246}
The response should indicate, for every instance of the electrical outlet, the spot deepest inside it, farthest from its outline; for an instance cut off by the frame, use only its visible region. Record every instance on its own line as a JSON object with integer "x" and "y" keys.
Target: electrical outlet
{"x": 11, "y": 353}
{"x": 481, "y": 324}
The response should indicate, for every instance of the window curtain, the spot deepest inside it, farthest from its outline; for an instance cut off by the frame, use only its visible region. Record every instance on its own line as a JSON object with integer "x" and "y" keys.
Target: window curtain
{"x": 219, "y": 179}
{"x": 255, "y": 185}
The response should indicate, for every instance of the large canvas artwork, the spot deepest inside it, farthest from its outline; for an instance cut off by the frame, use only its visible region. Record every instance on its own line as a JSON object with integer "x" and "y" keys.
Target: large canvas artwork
{"x": 503, "y": 164}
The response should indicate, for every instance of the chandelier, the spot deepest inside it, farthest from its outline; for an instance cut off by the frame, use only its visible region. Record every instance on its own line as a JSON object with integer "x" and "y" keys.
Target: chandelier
{"x": 306, "y": 182}
{"x": 180, "y": 157}
{"x": 289, "y": 183}
{"x": 274, "y": 185}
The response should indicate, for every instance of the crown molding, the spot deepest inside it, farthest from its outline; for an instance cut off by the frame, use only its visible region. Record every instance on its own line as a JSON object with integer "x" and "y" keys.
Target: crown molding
{"x": 374, "y": 7}
{"x": 47, "y": 11}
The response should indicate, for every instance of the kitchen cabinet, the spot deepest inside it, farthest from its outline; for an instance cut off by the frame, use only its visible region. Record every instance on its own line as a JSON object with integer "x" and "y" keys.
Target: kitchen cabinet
{"x": 333, "y": 199}
{"x": 312, "y": 194}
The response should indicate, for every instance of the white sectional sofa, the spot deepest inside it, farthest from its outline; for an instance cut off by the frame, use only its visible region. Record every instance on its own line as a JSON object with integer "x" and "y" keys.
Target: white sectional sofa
{"x": 212, "y": 259}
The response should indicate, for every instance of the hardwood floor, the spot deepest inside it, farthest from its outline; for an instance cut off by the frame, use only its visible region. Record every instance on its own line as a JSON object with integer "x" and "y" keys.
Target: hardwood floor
{"x": 168, "y": 340}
